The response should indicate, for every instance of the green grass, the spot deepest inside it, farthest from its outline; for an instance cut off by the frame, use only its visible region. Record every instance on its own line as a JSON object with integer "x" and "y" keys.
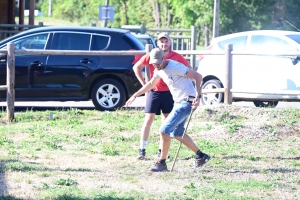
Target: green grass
{"x": 87, "y": 154}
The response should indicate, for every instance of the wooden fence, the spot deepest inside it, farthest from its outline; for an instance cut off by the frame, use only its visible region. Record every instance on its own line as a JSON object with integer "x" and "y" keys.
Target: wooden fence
{"x": 227, "y": 90}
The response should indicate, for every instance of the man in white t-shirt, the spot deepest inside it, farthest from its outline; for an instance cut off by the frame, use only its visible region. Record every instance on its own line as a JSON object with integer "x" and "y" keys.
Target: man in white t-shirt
{"x": 179, "y": 80}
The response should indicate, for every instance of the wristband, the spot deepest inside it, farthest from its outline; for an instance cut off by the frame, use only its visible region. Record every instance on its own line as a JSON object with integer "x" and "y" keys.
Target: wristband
{"x": 199, "y": 96}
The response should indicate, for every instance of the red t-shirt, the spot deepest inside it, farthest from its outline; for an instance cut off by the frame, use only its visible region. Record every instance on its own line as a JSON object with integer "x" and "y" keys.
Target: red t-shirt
{"x": 161, "y": 85}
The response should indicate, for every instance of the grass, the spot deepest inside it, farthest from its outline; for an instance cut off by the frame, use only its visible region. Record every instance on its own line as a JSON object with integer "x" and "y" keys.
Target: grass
{"x": 87, "y": 154}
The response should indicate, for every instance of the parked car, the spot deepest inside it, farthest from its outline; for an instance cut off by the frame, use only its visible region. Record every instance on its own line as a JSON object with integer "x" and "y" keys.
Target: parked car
{"x": 254, "y": 72}
{"x": 108, "y": 80}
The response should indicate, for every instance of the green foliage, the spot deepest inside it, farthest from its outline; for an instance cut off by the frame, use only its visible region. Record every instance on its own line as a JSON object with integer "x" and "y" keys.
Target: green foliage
{"x": 234, "y": 15}
{"x": 66, "y": 182}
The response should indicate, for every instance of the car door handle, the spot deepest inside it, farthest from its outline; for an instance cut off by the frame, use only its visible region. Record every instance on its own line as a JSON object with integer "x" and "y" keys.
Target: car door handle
{"x": 85, "y": 60}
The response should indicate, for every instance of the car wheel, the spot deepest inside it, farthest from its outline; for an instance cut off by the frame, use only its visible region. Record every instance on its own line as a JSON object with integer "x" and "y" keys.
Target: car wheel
{"x": 212, "y": 98}
{"x": 265, "y": 103}
{"x": 108, "y": 94}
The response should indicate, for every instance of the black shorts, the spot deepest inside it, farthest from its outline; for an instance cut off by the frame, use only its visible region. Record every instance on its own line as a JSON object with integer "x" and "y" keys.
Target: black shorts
{"x": 157, "y": 102}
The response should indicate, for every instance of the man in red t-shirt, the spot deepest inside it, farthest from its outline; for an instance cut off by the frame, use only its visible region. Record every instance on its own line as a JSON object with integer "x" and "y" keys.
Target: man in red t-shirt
{"x": 159, "y": 99}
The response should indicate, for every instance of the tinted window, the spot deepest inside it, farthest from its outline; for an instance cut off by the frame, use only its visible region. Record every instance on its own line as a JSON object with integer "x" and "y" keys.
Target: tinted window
{"x": 238, "y": 43}
{"x": 100, "y": 42}
{"x": 133, "y": 42}
{"x": 269, "y": 43}
{"x": 296, "y": 38}
{"x": 37, "y": 41}
{"x": 145, "y": 41}
{"x": 71, "y": 41}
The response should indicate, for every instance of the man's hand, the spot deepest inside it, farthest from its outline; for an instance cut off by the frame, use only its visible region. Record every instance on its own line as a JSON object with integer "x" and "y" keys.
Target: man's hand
{"x": 196, "y": 103}
{"x": 132, "y": 98}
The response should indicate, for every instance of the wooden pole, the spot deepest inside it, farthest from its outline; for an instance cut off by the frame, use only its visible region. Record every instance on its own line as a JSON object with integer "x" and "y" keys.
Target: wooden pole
{"x": 148, "y": 48}
{"x": 21, "y": 13}
{"x": 216, "y": 18}
{"x": 10, "y": 82}
{"x": 228, "y": 74}
{"x": 31, "y": 12}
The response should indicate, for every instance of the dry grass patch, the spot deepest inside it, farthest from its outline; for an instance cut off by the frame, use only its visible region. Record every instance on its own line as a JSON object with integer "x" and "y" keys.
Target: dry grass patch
{"x": 84, "y": 154}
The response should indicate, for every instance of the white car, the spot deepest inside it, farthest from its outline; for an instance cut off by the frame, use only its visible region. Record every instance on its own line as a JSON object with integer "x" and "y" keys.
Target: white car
{"x": 253, "y": 72}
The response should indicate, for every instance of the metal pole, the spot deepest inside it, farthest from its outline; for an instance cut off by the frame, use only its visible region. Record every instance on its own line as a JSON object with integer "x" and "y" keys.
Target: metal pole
{"x": 228, "y": 74}
{"x": 182, "y": 139}
{"x": 193, "y": 46}
{"x": 106, "y": 12}
{"x": 10, "y": 82}
{"x": 50, "y": 8}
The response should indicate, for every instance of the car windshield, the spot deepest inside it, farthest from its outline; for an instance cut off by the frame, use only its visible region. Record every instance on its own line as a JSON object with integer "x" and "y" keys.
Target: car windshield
{"x": 296, "y": 38}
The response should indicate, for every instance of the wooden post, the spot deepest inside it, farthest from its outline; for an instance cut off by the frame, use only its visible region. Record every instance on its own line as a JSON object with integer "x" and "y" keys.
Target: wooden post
{"x": 228, "y": 74}
{"x": 148, "y": 48}
{"x": 21, "y": 13}
{"x": 10, "y": 82}
{"x": 31, "y": 12}
{"x": 216, "y": 18}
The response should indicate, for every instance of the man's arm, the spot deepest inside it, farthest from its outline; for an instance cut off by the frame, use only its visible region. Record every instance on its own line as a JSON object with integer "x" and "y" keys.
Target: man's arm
{"x": 137, "y": 68}
{"x": 189, "y": 66}
{"x": 197, "y": 77}
{"x": 148, "y": 86}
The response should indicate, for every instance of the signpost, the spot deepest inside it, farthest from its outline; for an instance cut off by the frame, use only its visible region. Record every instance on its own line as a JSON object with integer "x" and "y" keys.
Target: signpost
{"x": 106, "y": 13}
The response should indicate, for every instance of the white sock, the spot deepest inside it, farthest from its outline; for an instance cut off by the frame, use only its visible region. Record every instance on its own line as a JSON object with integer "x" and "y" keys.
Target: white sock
{"x": 143, "y": 144}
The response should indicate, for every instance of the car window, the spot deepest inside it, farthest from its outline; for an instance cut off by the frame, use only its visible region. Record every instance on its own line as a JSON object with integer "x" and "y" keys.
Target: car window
{"x": 132, "y": 42}
{"x": 37, "y": 41}
{"x": 71, "y": 41}
{"x": 145, "y": 41}
{"x": 100, "y": 42}
{"x": 238, "y": 43}
{"x": 296, "y": 38}
{"x": 269, "y": 43}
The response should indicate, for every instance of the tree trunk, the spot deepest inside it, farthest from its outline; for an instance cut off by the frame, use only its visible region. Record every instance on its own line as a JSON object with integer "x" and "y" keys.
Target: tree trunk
{"x": 156, "y": 14}
{"x": 125, "y": 12}
{"x": 169, "y": 17}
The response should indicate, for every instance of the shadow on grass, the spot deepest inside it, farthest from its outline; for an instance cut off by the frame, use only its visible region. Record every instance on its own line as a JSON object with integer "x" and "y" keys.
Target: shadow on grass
{"x": 60, "y": 108}
{"x": 259, "y": 158}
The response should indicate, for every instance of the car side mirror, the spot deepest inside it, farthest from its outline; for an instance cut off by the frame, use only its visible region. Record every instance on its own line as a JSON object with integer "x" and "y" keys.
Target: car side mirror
{"x": 294, "y": 59}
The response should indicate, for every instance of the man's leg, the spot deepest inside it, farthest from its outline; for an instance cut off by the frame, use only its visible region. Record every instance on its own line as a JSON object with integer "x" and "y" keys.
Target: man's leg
{"x": 149, "y": 118}
{"x": 161, "y": 164}
{"x": 166, "y": 107}
{"x": 188, "y": 142}
{"x": 164, "y": 116}
{"x": 201, "y": 158}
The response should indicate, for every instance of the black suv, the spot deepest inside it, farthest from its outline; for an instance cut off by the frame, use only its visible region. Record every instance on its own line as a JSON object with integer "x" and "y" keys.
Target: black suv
{"x": 108, "y": 80}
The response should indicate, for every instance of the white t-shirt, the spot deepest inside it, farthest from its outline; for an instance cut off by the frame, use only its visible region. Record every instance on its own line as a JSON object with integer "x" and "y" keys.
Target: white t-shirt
{"x": 174, "y": 75}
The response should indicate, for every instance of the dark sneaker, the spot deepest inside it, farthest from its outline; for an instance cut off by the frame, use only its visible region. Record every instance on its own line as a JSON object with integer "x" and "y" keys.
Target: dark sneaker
{"x": 159, "y": 154}
{"x": 199, "y": 162}
{"x": 159, "y": 167}
{"x": 142, "y": 154}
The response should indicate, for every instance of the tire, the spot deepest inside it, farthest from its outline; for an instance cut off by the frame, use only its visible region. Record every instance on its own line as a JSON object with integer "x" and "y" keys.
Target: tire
{"x": 265, "y": 103}
{"x": 108, "y": 94}
{"x": 212, "y": 98}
